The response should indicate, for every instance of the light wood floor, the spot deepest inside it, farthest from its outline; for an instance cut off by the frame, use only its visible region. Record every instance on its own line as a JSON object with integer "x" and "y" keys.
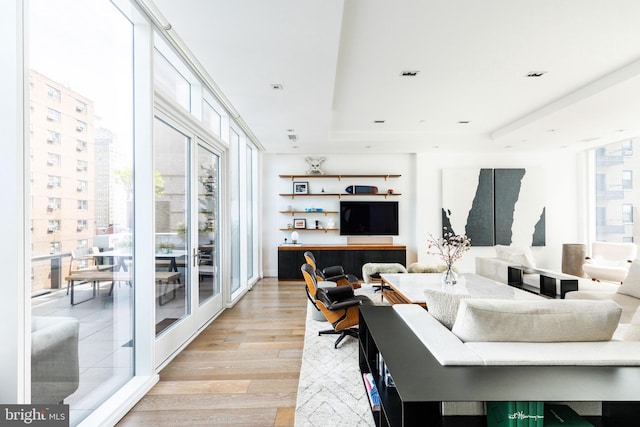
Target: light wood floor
{"x": 242, "y": 370}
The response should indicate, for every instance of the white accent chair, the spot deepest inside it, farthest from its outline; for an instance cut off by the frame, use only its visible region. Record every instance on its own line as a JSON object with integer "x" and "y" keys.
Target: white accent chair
{"x": 610, "y": 261}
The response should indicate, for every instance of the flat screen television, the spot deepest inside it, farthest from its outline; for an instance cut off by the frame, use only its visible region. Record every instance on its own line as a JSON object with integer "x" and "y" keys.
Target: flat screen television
{"x": 368, "y": 218}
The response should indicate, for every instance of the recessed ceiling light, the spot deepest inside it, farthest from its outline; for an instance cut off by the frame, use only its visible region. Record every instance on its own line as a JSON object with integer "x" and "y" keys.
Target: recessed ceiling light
{"x": 378, "y": 121}
{"x": 422, "y": 121}
{"x": 295, "y": 146}
{"x": 291, "y": 130}
{"x": 436, "y": 146}
{"x": 593, "y": 138}
{"x": 564, "y": 146}
{"x": 551, "y": 130}
{"x": 292, "y": 137}
{"x": 535, "y": 73}
{"x": 367, "y": 146}
{"x": 409, "y": 73}
{"x": 507, "y": 146}
{"x": 463, "y": 122}
{"x": 276, "y": 86}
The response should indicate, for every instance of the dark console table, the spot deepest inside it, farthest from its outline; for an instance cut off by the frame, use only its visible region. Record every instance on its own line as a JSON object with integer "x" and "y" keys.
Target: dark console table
{"x": 547, "y": 282}
{"x": 351, "y": 257}
{"x": 421, "y": 383}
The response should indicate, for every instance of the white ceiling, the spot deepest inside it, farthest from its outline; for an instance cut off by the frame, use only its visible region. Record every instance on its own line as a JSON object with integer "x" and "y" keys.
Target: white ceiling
{"x": 339, "y": 64}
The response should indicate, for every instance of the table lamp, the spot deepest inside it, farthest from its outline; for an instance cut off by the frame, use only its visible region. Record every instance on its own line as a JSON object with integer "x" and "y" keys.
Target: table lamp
{"x": 294, "y": 237}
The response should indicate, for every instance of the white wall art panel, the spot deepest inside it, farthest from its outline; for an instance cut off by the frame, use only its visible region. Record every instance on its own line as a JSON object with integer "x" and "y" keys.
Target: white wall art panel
{"x": 495, "y": 206}
{"x": 467, "y": 203}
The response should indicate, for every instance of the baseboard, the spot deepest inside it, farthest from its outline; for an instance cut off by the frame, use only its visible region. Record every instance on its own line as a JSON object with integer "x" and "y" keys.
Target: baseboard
{"x": 370, "y": 240}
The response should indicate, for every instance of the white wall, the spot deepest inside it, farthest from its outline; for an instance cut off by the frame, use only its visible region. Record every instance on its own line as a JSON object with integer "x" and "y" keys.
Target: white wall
{"x": 563, "y": 195}
{"x": 420, "y": 202}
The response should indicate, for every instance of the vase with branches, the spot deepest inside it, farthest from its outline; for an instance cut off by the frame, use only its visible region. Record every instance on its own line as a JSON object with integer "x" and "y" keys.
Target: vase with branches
{"x": 449, "y": 248}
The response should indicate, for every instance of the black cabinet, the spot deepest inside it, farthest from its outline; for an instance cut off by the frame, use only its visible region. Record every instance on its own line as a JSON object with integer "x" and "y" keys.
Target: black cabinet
{"x": 351, "y": 257}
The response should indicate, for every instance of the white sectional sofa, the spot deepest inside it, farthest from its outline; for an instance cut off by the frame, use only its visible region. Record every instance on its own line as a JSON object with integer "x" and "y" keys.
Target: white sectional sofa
{"x": 528, "y": 332}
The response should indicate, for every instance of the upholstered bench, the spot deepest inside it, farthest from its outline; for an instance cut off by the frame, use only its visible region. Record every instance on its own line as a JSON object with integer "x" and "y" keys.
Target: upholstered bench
{"x": 376, "y": 268}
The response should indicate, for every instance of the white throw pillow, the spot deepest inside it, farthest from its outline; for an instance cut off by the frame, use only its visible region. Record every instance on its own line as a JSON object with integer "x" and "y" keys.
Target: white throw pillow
{"x": 516, "y": 255}
{"x": 633, "y": 331}
{"x": 631, "y": 284}
{"x": 490, "y": 320}
{"x": 443, "y": 305}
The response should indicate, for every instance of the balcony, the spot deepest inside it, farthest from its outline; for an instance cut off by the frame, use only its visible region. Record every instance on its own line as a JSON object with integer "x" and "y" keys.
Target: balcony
{"x": 606, "y": 158}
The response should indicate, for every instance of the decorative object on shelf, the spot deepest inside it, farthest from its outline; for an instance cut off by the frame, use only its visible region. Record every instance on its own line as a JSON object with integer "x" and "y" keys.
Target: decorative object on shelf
{"x": 390, "y": 191}
{"x": 314, "y": 165}
{"x": 294, "y": 237}
{"x": 300, "y": 187}
{"x": 299, "y": 223}
{"x": 317, "y": 224}
{"x": 450, "y": 248}
{"x": 361, "y": 189}
{"x": 331, "y": 224}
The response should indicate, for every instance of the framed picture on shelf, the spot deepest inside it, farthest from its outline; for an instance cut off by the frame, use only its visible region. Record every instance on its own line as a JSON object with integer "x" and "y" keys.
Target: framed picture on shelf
{"x": 299, "y": 223}
{"x": 300, "y": 187}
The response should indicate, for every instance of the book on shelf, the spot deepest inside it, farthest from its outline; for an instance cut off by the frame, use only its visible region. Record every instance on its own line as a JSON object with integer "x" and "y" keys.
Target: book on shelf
{"x": 372, "y": 391}
{"x": 563, "y": 415}
{"x": 515, "y": 414}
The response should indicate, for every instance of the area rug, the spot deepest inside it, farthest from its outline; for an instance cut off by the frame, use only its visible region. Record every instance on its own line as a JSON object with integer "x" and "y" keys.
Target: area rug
{"x": 330, "y": 390}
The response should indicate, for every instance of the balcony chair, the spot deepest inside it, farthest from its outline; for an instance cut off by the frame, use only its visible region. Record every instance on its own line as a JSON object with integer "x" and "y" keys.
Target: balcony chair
{"x": 332, "y": 274}
{"x": 338, "y": 304}
{"x": 610, "y": 261}
{"x": 85, "y": 260}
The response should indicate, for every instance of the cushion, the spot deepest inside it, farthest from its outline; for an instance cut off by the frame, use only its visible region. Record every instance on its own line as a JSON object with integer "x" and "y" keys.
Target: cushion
{"x": 443, "y": 305}
{"x": 536, "y": 320}
{"x": 631, "y": 284}
{"x": 633, "y": 330}
{"x": 417, "y": 267}
{"x": 517, "y": 255}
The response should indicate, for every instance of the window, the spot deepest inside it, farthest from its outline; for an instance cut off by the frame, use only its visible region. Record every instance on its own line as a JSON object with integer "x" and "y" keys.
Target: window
{"x": 170, "y": 81}
{"x": 627, "y": 239}
{"x": 54, "y": 247}
{"x": 627, "y": 179}
{"x": 53, "y": 159}
{"x": 615, "y": 196}
{"x": 53, "y": 137}
{"x": 86, "y": 49}
{"x": 81, "y": 107}
{"x": 53, "y": 93}
{"x": 53, "y": 225}
{"x": 81, "y": 145}
{"x": 54, "y": 181}
{"x": 54, "y": 203}
{"x": 211, "y": 119}
{"x": 627, "y": 213}
{"x": 53, "y": 115}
